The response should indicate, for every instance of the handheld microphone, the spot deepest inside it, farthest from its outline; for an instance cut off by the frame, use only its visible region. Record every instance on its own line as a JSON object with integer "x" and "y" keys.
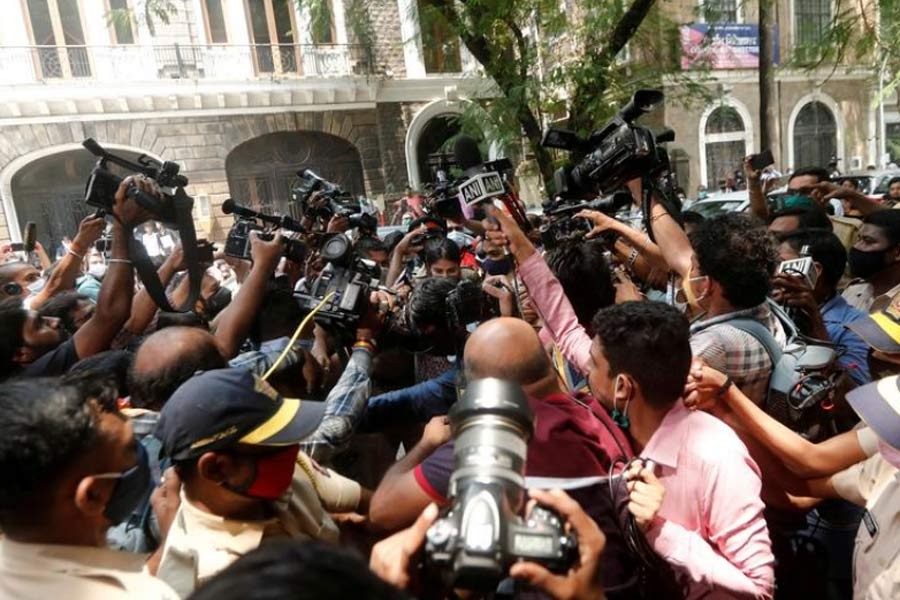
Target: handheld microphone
{"x": 231, "y": 207}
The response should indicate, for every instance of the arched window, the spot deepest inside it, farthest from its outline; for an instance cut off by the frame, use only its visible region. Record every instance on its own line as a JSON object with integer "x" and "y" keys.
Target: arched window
{"x": 725, "y": 145}
{"x": 815, "y": 136}
{"x": 261, "y": 171}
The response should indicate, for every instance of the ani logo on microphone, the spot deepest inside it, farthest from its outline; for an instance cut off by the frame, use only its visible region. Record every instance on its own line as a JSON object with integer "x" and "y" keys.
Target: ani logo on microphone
{"x": 481, "y": 187}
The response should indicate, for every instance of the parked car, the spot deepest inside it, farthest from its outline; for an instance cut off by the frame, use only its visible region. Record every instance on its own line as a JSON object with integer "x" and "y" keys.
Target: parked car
{"x": 871, "y": 183}
{"x": 722, "y": 202}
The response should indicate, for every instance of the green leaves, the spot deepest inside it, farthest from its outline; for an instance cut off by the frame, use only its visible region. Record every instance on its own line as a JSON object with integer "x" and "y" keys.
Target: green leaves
{"x": 146, "y": 12}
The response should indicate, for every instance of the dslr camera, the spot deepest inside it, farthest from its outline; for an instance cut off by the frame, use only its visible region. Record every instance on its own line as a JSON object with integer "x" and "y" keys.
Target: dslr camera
{"x": 238, "y": 242}
{"x": 332, "y": 199}
{"x": 350, "y": 277}
{"x": 616, "y": 153}
{"x": 481, "y": 535}
{"x": 102, "y": 184}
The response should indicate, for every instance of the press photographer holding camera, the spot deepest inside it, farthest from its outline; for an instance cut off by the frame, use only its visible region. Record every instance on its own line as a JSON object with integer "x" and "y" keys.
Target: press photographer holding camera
{"x": 32, "y": 345}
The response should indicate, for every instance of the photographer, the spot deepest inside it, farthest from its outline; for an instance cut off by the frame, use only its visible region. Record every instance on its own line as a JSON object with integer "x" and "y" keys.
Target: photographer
{"x": 569, "y": 443}
{"x": 420, "y": 233}
{"x": 34, "y": 346}
{"x": 234, "y": 323}
{"x": 734, "y": 260}
{"x": 393, "y": 558}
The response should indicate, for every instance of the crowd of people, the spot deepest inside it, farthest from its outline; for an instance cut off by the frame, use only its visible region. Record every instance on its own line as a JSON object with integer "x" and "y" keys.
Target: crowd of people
{"x": 716, "y": 405}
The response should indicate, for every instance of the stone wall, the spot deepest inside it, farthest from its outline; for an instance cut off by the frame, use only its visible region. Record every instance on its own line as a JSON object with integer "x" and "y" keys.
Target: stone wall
{"x": 201, "y": 144}
{"x": 386, "y": 21}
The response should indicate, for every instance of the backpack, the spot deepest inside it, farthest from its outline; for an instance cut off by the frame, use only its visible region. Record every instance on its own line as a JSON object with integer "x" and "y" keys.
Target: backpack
{"x": 806, "y": 383}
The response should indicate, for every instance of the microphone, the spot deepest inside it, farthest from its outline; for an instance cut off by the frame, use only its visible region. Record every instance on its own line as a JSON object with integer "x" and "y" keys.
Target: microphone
{"x": 231, "y": 207}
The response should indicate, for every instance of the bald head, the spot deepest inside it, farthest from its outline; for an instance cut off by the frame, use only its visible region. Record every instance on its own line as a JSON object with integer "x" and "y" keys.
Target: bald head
{"x": 508, "y": 349}
{"x": 167, "y": 359}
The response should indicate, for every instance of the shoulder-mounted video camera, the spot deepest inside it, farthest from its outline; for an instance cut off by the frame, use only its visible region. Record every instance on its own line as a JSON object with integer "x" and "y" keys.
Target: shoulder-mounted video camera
{"x": 616, "y": 153}
{"x": 349, "y": 277}
{"x": 332, "y": 200}
{"x": 102, "y": 184}
{"x": 563, "y": 226}
{"x": 173, "y": 207}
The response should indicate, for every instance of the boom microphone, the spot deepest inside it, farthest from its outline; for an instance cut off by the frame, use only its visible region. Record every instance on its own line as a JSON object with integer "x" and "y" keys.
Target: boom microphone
{"x": 231, "y": 207}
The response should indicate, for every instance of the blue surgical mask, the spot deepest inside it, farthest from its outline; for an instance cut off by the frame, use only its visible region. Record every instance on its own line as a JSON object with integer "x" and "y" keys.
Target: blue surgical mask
{"x": 131, "y": 488}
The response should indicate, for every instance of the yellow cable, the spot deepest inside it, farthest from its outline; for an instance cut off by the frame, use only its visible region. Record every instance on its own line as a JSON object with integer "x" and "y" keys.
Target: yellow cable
{"x": 294, "y": 337}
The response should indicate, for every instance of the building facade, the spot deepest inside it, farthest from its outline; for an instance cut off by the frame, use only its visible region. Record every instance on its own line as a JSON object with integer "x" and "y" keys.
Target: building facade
{"x": 241, "y": 93}
{"x": 822, "y": 114}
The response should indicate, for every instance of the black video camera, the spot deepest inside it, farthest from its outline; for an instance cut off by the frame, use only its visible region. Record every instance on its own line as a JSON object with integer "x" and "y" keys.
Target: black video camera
{"x": 442, "y": 196}
{"x": 332, "y": 199}
{"x": 238, "y": 242}
{"x": 468, "y": 305}
{"x": 561, "y": 224}
{"x": 481, "y": 535}
{"x": 615, "y": 154}
{"x": 102, "y": 183}
{"x": 348, "y": 277}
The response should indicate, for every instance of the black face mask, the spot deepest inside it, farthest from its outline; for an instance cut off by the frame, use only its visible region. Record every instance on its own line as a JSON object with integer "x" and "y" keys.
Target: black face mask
{"x": 866, "y": 264}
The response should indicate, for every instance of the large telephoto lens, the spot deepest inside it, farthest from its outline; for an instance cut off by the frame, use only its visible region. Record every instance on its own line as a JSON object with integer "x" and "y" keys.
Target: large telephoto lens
{"x": 491, "y": 426}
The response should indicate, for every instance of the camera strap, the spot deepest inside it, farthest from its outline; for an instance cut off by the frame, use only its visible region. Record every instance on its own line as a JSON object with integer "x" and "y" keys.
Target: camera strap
{"x": 184, "y": 222}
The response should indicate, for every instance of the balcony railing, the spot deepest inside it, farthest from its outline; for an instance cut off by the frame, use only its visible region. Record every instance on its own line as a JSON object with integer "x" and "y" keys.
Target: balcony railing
{"x": 23, "y": 64}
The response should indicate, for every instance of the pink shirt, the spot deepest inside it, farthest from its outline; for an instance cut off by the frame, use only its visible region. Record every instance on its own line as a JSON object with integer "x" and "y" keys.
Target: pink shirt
{"x": 560, "y": 323}
{"x": 711, "y": 524}
{"x": 713, "y": 529}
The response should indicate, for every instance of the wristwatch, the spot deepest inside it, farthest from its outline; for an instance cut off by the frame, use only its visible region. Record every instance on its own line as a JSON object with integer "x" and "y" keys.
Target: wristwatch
{"x": 720, "y": 393}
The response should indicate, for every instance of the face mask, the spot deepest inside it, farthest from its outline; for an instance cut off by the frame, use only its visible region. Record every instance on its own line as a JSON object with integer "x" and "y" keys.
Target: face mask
{"x": 131, "y": 488}
{"x": 797, "y": 201}
{"x": 890, "y": 454}
{"x": 274, "y": 474}
{"x": 98, "y": 270}
{"x": 865, "y": 264}
{"x": 37, "y": 285}
{"x": 496, "y": 267}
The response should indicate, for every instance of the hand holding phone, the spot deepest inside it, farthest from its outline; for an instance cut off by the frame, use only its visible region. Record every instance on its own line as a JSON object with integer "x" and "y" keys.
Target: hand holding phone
{"x": 762, "y": 160}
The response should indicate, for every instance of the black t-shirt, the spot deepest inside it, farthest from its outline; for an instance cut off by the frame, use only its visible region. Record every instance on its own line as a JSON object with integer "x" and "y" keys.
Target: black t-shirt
{"x": 56, "y": 362}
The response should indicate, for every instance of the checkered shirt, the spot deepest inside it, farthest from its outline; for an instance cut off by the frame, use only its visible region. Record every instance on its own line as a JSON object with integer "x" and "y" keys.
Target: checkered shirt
{"x": 737, "y": 353}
